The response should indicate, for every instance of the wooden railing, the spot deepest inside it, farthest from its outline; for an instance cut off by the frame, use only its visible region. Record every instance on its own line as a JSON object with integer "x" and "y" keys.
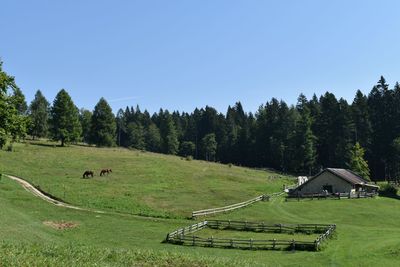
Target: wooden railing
{"x": 228, "y": 208}
{"x": 183, "y": 236}
{"x": 332, "y": 196}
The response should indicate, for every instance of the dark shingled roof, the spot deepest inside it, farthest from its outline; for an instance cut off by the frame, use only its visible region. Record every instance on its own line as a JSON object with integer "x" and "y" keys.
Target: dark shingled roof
{"x": 348, "y": 175}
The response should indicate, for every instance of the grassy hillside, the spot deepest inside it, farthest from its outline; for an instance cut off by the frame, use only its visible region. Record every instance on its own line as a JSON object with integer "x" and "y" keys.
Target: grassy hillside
{"x": 367, "y": 229}
{"x": 367, "y": 235}
{"x": 141, "y": 183}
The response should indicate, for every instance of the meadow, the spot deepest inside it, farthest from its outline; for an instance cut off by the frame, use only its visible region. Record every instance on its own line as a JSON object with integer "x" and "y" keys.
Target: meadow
{"x": 142, "y": 183}
{"x": 165, "y": 189}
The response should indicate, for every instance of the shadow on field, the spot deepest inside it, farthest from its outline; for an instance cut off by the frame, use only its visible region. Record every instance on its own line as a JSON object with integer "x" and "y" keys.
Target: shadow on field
{"x": 34, "y": 143}
{"x": 38, "y": 143}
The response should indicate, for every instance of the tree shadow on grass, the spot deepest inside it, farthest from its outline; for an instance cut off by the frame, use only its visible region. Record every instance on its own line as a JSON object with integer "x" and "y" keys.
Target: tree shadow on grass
{"x": 43, "y": 144}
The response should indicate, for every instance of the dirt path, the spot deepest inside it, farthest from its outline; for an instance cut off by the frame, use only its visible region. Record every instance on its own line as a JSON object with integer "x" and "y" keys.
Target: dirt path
{"x": 30, "y": 188}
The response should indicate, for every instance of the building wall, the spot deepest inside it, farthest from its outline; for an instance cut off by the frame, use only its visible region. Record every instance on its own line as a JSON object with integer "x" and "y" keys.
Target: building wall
{"x": 325, "y": 178}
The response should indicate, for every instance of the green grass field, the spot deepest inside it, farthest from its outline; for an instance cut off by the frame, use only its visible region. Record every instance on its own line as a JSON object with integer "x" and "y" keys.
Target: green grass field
{"x": 167, "y": 187}
{"x": 141, "y": 183}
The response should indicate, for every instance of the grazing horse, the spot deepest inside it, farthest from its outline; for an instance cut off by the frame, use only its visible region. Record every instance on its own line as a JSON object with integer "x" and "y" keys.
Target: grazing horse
{"x": 105, "y": 171}
{"x": 86, "y": 174}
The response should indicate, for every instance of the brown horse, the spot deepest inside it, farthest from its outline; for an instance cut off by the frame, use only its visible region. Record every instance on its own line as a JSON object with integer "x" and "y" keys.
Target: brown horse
{"x": 86, "y": 174}
{"x": 105, "y": 171}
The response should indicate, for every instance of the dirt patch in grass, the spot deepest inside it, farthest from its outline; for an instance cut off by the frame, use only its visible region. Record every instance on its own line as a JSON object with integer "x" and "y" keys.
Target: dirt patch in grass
{"x": 60, "y": 225}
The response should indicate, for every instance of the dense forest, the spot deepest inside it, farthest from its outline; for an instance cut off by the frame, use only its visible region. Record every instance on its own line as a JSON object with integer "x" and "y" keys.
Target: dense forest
{"x": 315, "y": 133}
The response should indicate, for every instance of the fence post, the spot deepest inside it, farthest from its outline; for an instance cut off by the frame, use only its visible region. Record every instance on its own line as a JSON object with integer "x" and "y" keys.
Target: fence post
{"x": 273, "y": 243}
{"x": 167, "y": 239}
{"x": 194, "y": 240}
{"x": 232, "y": 243}
{"x": 293, "y": 245}
{"x": 251, "y": 243}
{"x": 212, "y": 241}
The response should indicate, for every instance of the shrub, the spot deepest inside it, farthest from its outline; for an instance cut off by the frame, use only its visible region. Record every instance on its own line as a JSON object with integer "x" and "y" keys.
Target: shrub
{"x": 388, "y": 190}
{"x": 189, "y": 158}
{"x": 10, "y": 147}
{"x": 230, "y": 165}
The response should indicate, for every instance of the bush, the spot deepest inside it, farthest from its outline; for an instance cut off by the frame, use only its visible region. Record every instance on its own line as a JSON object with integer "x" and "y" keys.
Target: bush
{"x": 230, "y": 165}
{"x": 189, "y": 158}
{"x": 388, "y": 190}
{"x": 10, "y": 147}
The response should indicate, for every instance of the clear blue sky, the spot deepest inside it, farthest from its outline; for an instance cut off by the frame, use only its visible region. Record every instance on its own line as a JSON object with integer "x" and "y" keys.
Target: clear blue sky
{"x": 185, "y": 54}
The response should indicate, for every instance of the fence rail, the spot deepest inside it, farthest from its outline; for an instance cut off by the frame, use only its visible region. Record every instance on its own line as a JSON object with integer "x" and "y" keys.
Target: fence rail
{"x": 184, "y": 236}
{"x": 262, "y": 227}
{"x": 228, "y": 208}
{"x": 332, "y": 196}
{"x": 212, "y": 211}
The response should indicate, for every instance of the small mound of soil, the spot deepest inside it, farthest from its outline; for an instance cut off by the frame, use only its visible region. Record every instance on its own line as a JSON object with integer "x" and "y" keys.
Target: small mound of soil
{"x": 60, "y": 225}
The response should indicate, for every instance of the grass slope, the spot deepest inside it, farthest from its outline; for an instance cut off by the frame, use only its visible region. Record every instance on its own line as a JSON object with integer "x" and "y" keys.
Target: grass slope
{"x": 141, "y": 183}
{"x": 367, "y": 229}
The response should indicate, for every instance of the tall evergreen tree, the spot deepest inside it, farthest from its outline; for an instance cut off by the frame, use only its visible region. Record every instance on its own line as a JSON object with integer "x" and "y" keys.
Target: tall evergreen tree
{"x": 326, "y": 131}
{"x": 305, "y": 140}
{"x": 362, "y": 123}
{"x": 19, "y": 102}
{"x": 209, "y": 146}
{"x": 103, "y": 127}
{"x": 136, "y": 135}
{"x": 65, "y": 125}
{"x": 357, "y": 162}
{"x": 85, "y": 118}
{"x": 153, "y": 138}
{"x": 171, "y": 139}
{"x": 39, "y": 116}
{"x": 380, "y": 116}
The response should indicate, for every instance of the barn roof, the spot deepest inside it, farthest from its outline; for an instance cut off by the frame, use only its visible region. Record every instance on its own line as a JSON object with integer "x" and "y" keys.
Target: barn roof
{"x": 348, "y": 175}
{"x": 344, "y": 174}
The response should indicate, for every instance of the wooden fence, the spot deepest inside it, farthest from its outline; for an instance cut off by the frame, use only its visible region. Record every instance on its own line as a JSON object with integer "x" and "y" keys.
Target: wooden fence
{"x": 212, "y": 211}
{"x": 184, "y": 236}
{"x": 228, "y": 208}
{"x": 320, "y": 196}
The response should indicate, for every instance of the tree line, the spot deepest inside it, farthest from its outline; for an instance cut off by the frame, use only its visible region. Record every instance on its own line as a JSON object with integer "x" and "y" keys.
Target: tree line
{"x": 304, "y": 138}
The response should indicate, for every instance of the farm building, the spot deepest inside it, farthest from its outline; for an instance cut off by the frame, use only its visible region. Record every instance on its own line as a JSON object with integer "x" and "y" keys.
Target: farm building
{"x": 332, "y": 181}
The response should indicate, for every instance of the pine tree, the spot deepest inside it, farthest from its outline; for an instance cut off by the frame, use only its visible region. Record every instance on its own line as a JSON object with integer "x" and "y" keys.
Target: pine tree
{"x": 357, "y": 162}
{"x": 65, "y": 125}
{"x": 153, "y": 138}
{"x": 19, "y": 102}
{"x": 39, "y": 115}
{"x": 305, "y": 140}
{"x": 171, "y": 140}
{"x": 136, "y": 135}
{"x": 209, "y": 145}
{"x": 326, "y": 129}
{"x": 85, "y": 118}
{"x": 103, "y": 127}
{"x": 362, "y": 123}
